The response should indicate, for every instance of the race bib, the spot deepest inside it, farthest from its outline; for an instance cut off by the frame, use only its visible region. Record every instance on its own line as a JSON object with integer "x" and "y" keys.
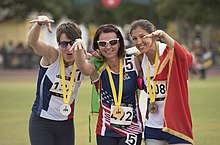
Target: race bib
{"x": 124, "y": 119}
{"x": 129, "y": 64}
{"x": 56, "y": 88}
{"x": 161, "y": 89}
{"x": 131, "y": 139}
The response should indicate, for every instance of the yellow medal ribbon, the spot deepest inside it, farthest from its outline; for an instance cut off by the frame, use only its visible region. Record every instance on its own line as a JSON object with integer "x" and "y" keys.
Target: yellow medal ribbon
{"x": 66, "y": 100}
{"x": 151, "y": 93}
{"x": 116, "y": 101}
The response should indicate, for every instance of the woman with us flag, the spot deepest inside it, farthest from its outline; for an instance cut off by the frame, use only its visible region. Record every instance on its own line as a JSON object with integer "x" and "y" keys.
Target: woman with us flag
{"x": 115, "y": 77}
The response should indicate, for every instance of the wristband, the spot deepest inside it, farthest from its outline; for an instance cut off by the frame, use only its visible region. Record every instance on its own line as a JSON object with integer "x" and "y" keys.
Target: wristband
{"x": 140, "y": 82}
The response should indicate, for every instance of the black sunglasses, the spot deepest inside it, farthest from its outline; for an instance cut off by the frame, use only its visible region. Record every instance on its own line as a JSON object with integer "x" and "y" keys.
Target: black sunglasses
{"x": 104, "y": 43}
{"x": 64, "y": 44}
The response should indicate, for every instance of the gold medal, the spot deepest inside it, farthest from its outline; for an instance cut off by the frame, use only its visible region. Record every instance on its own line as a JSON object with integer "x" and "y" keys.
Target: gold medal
{"x": 118, "y": 112}
{"x": 153, "y": 108}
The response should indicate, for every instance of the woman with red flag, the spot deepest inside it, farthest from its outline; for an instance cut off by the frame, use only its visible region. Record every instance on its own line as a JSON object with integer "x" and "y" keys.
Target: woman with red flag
{"x": 165, "y": 74}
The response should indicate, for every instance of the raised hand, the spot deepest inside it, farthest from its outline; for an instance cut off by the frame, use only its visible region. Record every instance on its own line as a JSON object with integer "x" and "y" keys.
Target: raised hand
{"x": 43, "y": 20}
{"x": 157, "y": 33}
{"x": 78, "y": 45}
{"x": 97, "y": 54}
{"x": 161, "y": 34}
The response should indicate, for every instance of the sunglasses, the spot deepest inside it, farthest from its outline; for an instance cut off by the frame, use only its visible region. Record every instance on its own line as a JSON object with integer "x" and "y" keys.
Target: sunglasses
{"x": 104, "y": 43}
{"x": 64, "y": 44}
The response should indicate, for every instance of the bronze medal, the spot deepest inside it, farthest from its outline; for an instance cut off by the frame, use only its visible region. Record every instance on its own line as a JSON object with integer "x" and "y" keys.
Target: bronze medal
{"x": 153, "y": 108}
{"x": 118, "y": 112}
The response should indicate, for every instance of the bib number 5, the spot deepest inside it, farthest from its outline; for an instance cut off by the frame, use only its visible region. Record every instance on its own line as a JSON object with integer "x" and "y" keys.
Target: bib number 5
{"x": 131, "y": 139}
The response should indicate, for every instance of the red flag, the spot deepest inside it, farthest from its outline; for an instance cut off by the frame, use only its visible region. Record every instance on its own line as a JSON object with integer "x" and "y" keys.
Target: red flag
{"x": 177, "y": 117}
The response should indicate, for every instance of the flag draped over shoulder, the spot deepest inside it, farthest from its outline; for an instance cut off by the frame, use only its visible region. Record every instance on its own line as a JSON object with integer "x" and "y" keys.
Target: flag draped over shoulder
{"x": 95, "y": 100}
{"x": 175, "y": 64}
{"x": 95, "y": 104}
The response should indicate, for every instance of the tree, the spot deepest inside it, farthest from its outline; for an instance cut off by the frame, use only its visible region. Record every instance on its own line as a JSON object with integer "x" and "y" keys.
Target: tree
{"x": 20, "y": 9}
{"x": 82, "y": 11}
{"x": 98, "y": 14}
{"x": 192, "y": 11}
{"x": 195, "y": 19}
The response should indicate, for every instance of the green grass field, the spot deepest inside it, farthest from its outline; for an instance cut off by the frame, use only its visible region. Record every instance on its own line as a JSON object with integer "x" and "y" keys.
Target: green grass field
{"x": 18, "y": 94}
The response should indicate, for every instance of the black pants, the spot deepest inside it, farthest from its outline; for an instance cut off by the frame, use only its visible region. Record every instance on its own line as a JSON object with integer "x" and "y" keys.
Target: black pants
{"x": 106, "y": 140}
{"x": 48, "y": 132}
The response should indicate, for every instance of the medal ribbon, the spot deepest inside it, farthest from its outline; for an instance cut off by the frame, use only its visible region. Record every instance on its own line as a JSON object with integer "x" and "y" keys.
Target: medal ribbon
{"x": 152, "y": 94}
{"x": 66, "y": 100}
{"x": 116, "y": 101}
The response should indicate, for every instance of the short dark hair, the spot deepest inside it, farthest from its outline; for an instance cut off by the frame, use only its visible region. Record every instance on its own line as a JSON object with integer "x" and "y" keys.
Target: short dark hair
{"x": 108, "y": 28}
{"x": 71, "y": 30}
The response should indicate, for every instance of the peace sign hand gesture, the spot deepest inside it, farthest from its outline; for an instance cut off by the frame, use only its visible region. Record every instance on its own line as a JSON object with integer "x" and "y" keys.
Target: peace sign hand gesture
{"x": 43, "y": 20}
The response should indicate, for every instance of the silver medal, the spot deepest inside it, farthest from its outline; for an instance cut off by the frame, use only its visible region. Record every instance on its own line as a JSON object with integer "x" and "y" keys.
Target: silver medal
{"x": 65, "y": 109}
